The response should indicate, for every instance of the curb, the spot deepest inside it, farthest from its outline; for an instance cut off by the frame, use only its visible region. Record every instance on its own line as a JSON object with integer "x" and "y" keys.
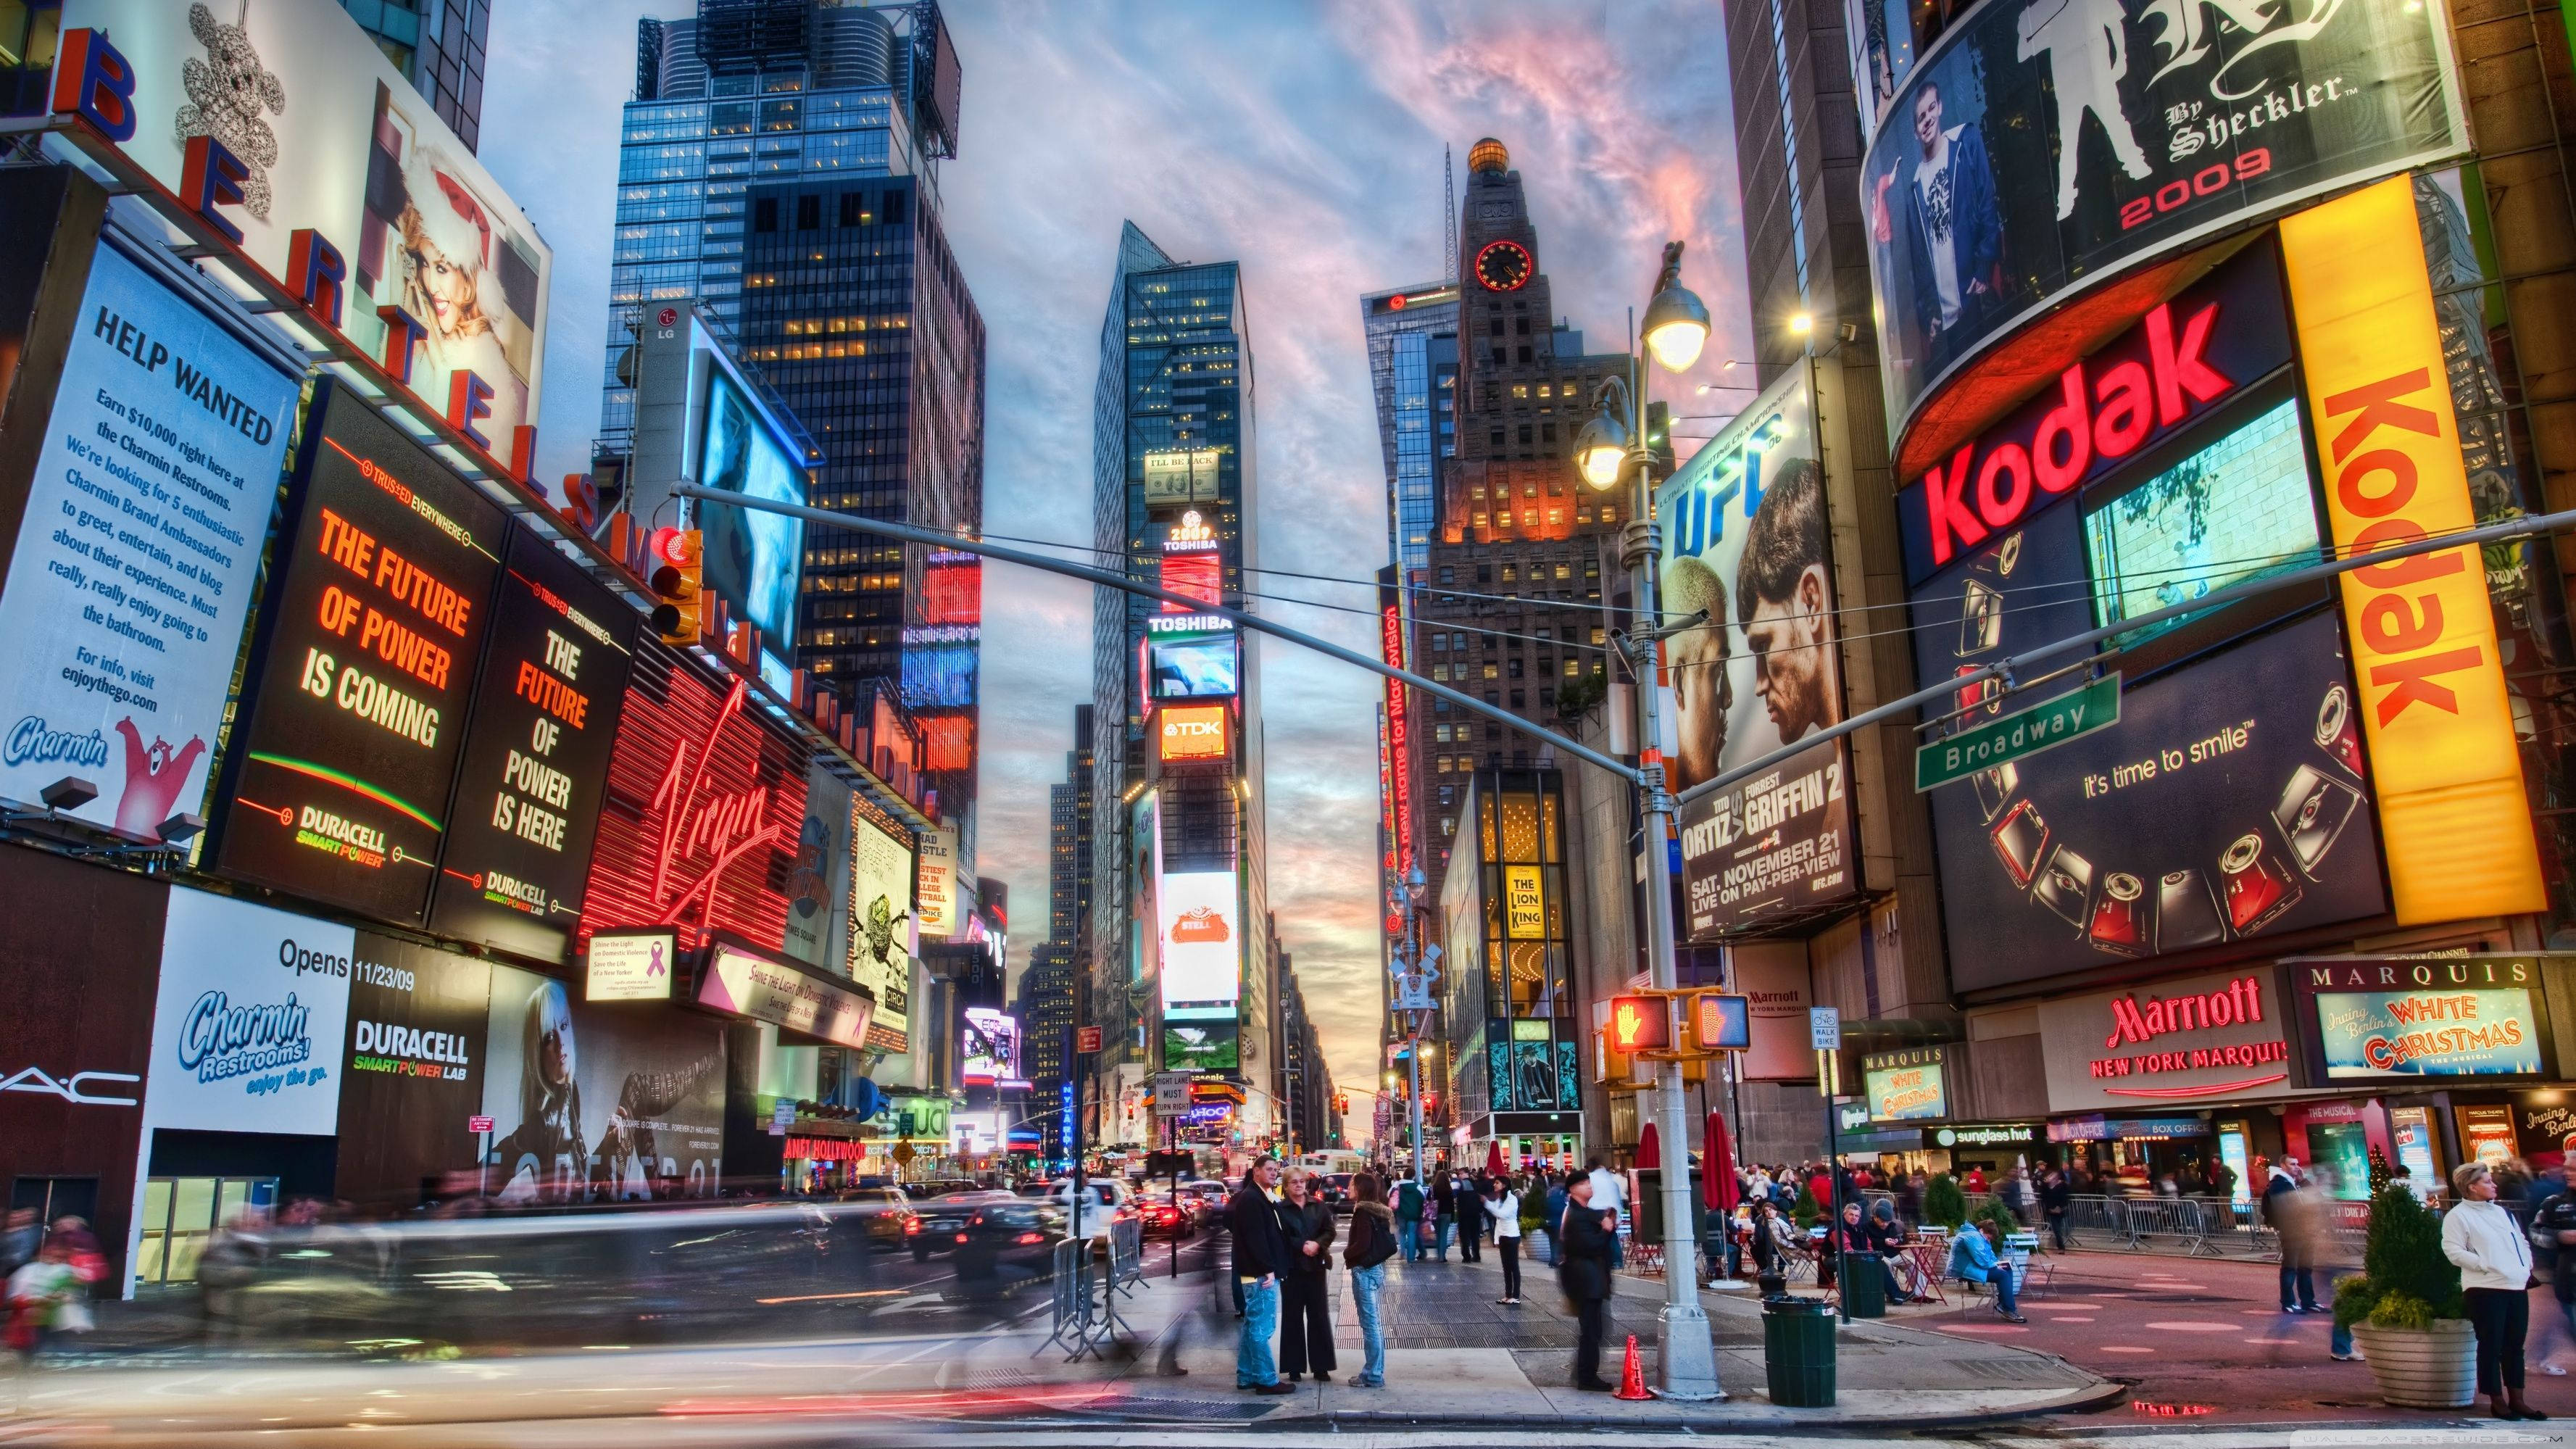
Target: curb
{"x": 1755, "y": 1416}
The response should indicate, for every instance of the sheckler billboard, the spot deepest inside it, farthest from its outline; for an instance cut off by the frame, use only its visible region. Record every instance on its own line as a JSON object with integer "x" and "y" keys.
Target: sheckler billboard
{"x": 598, "y": 1102}
{"x": 818, "y": 893}
{"x": 134, "y": 570}
{"x": 2133, "y": 129}
{"x": 1746, "y": 543}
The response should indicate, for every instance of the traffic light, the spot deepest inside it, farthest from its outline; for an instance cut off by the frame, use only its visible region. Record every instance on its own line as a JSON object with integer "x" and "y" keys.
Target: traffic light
{"x": 1659, "y": 432}
{"x": 1640, "y": 1023}
{"x": 676, "y": 553}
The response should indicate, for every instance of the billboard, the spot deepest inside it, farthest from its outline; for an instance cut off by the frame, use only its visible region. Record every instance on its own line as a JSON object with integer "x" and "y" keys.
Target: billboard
{"x": 881, "y": 937}
{"x": 818, "y": 891}
{"x": 988, "y": 1047}
{"x": 413, "y": 1072}
{"x": 2417, "y": 1019}
{"x": 1192, "y": 666}
{"x": 937, "y": 916}
{"x": 341, "y": 769}
{"x": 553, "y": 685}
{"x": 596, "y": 1103}
{"x": 1174, "y": 476}
{"x": 1202, "y": 937}
{"x": 1906, "y": 1086}
{"x": 1208, "y": 1045}
{"x": 1532, "y": 1076}
{"x": 808, "y": 1007}
{"x": 2218, "y": 1034}
{"x": 1773, "y": 978}
{"x": 334, "y": 138}
{"x": 1746, "y": 542}
{"x": 630, "y": 965}
{"x": 755, "y": 559}
{"x": 132, "y": 577}
{"x": 250, "y": 1019}
{"x": 2207, "y": 116}
{"x": 1194, "y": 732}
{"x": 940, "y": 664}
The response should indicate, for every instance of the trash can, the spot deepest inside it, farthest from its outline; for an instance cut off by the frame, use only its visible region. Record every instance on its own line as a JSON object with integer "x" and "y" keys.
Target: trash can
{"x": 1864, "y": 1281}
{"x": 1798, "y": 1351}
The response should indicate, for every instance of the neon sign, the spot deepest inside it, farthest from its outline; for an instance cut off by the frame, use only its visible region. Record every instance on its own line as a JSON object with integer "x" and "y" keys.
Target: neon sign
{"x": 1399, "y": 726}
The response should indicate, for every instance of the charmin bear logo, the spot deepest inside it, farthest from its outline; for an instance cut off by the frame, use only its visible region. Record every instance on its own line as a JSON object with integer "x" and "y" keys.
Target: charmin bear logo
{"x": 154, "y": 776}
{"x": 1199, "y": 923}
{"x": 227, "y": 91}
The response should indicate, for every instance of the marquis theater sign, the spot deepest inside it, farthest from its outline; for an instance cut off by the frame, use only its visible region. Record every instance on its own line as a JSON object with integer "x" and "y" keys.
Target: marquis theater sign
{"x": 2209, "y": 1036}
{"x": 705, "y": 801}
{"x": 2417, "y": 1019}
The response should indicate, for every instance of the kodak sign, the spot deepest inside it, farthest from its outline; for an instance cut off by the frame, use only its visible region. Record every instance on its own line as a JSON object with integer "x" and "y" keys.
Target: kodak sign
{"x": 2452, "y": 812}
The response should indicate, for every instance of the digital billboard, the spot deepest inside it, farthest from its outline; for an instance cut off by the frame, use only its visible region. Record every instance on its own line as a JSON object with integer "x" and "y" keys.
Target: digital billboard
{"x": 818, "y": 892}
{"x": 134, "y": 570}
{"x": 597, "y": 1102}
{"x": 754, "y": 559}
{"x": 988, "y": 1048}
{"x": 882, "y": 938}
{"x": 333, "y": 137}
{"x": 939, "y": 666}
{"x": 1192, "y": 666}
{"x": 1174, "y": 476}
{"x": 952, "y": 589}
{"x": 1199, "y": 576}
{"x": 1210, "y": 1045}
{"x": 1202, "y": 939}
{"x": 2393, "y": 1020}
{"x": 370, "y": 634}
{"x": 1746, "y": 543}
{"x": 1194, "y": 732}
{"x": 2207, "y": 118}
{"x": 545, "y": 718}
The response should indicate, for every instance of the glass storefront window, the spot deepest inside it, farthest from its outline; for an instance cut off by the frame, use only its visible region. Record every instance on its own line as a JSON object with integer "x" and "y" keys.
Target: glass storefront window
{"x": 180, "y": 1212}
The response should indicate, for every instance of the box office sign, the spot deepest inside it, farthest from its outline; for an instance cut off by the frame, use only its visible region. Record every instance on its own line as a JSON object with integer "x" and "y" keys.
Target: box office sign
{"x": 2399, "y": 1019}
{"x": 2218, "y": 1034}
{"x": 1906, "y": 1086}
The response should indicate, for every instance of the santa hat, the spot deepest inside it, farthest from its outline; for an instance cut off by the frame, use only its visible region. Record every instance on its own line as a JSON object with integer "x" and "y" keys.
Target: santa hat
{"x": 464, "y": 206}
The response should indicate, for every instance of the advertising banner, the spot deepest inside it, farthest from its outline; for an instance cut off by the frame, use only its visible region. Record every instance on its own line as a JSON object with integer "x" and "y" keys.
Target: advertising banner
{"x": 1745, "y": 541}
{"x": 553, "y": 685}
{"x": 1194, "y": 732}
{"x": 1201, "y": 1045}
{"x": 2217, "y": 1034}
{"x": 413, "y": 1076}
{"x": 2452, "y": 806}
{"x": 937, "y": 916}
{"x": 818, "y": 892}
{"x": 340, "y": 771}
{"x": 807, "y": 1007}
{"x": 2398, "y": 1019}
{"x": 881, "y": 940}
{"x": 334, "y": 138}
{"x": 249, "y": 1023}
{"x": 133, "y": 574}
{"x": 1906, "y": 1086}
{"x": 1773, "y": 979}
{"x": 1532, "y": 1076}
{"x": 1192, "y": 666}
{"x": 1202, "y": 943}
{"x": 630, "y": 965}
{"x": 597, "y": 1102}
{"x": 1174, "y": 476}
{"x": 2202, "y": 117}
{"x": 988, "y": 1047}
{"x": 755, "y": 559}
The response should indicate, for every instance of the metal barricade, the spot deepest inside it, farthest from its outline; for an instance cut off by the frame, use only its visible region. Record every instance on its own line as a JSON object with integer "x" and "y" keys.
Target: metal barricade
{"x": 2097, "y": 1221}
{"x": 1126, "y": 1255}
{"x": 1086, "y": 1302}
{"x": 2164, "y": 1224}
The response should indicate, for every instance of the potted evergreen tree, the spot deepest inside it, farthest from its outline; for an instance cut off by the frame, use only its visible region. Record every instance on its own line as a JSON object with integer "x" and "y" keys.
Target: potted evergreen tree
{"x": 1944, "y": 1203}
{"x": 2405, "y": 1309}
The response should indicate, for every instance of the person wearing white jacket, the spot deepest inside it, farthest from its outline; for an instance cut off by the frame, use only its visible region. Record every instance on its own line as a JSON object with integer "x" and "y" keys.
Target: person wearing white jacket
{"x": 2495, "y": 1271}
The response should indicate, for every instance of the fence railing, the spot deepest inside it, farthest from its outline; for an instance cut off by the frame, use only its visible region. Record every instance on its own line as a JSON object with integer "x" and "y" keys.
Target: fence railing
{"x": 1086, "y": 1320}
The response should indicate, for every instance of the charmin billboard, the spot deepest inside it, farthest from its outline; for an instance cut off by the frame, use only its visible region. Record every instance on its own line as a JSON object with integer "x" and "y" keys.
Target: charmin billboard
{"x": 598, "y": 1102}
{"x": 134, "y": 570}
{"x": 1746, "y": 544}
{"x": 338, "y": 783}
{"x": 331, "y": 138}
{"x": 1202, "y": 937}
{"x": 2131, "y": 129}
{"x": 882, "y": 941}
{"x": 252, "y": 1011}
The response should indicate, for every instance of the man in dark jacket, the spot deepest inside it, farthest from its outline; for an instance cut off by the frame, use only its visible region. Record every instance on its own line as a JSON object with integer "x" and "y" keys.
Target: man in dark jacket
{"x": 2287, "y": 1214}
{"x": 1584, "y": 1272}
{"x": 1444, "y": 1207}
{"x": 1952, "y": 230}
{"x": 2056, "y": 1198}
{"x": 1260, "y": 1255}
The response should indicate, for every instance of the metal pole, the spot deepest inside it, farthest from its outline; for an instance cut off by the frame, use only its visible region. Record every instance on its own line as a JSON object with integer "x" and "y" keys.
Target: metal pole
{"x": 1829, "y": 1068}
{"x": 1687, "y": 1362}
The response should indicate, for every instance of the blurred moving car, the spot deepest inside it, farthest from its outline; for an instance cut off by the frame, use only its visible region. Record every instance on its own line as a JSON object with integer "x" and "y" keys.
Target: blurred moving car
{"x": 1007, "y": 1242}
{"x": 1164, "y": 1218}
{"x": 937, "y": 1221}
{"x": 1106, "y": 1199}
{"x": 1336, "y": 1190}
{"x": 887, "y": 1212}
{"x": 1205, "y": 1200}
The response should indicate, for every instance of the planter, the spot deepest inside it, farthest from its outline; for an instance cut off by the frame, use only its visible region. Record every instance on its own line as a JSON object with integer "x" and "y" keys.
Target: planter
{"x": 2434, "y": 1368}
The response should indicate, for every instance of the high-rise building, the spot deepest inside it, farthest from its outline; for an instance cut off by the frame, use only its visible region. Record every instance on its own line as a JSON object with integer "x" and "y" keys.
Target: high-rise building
{"x": 1047, "y": 991}
{"x": 439, "y": 45}
{"x": 780, "y": 169}
{"x": 1413, "y": 370}
{"x": 1179, "y": 977}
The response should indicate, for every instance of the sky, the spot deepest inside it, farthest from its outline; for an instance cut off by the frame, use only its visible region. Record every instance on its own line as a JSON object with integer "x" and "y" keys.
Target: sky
{"x": 1301, "y": 139}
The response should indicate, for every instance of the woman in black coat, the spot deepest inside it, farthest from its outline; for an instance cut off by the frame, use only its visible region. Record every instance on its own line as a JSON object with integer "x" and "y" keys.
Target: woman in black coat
{"x": 1305, "y": 1309}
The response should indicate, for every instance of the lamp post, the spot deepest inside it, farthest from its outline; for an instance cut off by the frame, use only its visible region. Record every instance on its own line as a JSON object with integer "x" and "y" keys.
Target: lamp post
{"x": 1611, "y": 447}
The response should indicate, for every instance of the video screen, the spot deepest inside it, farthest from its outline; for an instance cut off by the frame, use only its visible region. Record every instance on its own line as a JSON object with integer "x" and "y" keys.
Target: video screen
{"x": 754, "y": 558}
{"x": 1200, "y": 666}
{"x": 2238, "y": 509}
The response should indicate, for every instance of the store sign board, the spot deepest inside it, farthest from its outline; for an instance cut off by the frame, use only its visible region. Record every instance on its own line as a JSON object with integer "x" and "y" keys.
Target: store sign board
{"x": 2212, "y": 117}
{"x": 251, "y": 1021}
{"x": 371, "y": 631}
{"x": 2010, "y": 1134}
{"x": 2452, "y": 809}
{"x": 2400, "y": 1019}
{"x": 630, "y": 965}
{"x": 1906, "y": 1086}
{"x": 2217, "y": 1034}
{"x": 135, "y": 569}
{"x": 800, "y": 1003}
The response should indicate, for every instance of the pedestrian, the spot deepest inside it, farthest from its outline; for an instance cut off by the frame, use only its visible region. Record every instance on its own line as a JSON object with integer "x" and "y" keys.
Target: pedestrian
{"x": 1306, "y": 1225}
{"x": 2056, "y": 1199}
{"x": 2289, "y": 1212}
{"x": 1408, "y": 1219}
{"x": 1976, "y": 1180}
{"x": 1372, "y": 1242}
{"x": 1973, "y": 1259}
{"x": 1504, "y": 1206}
{"x": 2553, "y": 1241}
{"x": 39, "y": 1293}
{"x": 2495, "y": 1274}
{"x": 1444, "y": 1211}
{"x": 1552, "y": 1216}
{"x": 1585, "y": 1276}
{"x": 1609, "y": 1195}
{"x": 1471, "y": 1219}
{"x": 20, "y": 1241}
{"x": 1909, "y": 1198}
{"x": 1260, "y": 1254}
{"x": 1887, "y": 1241}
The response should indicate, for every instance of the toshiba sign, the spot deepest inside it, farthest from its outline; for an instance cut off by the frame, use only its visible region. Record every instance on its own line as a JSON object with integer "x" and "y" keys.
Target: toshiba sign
{"x": 1194, "y": 732}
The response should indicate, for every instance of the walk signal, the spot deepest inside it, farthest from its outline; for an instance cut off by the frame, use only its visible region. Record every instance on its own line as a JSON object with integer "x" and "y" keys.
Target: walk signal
{"x": 676, "y": 553}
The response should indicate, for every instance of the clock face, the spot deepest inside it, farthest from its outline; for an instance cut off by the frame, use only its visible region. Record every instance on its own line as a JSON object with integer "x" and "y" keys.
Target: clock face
{"x": 1504, "y": 266}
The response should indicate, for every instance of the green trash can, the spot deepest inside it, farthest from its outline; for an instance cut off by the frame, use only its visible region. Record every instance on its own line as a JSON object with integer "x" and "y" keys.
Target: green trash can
{"x": 1798, "y": 1351}
{"x": 1864, "y": 1281}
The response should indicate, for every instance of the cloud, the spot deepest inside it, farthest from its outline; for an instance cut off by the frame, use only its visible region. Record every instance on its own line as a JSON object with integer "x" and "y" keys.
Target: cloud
{"x": 1303, "y": 140}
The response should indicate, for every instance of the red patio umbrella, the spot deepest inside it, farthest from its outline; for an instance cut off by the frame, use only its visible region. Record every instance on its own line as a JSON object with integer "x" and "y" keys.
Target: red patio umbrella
{"x": 1493, "y": 1159}
{"x": 1718, "y": 1187}
{"x": 1650, "y": 1154}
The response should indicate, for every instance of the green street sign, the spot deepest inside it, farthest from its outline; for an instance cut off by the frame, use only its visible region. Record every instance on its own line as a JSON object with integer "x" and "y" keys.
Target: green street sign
{"x": 2019, "y": 735}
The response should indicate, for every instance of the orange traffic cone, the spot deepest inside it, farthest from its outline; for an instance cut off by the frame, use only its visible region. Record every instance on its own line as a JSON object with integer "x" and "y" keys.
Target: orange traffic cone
{"x": 1632, "y": 1378}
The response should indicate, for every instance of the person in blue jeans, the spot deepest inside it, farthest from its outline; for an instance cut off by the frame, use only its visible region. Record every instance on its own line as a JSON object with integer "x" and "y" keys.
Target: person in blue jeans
{"x": 1408, "y": 1219}
{"x": 1372, "y": 1243}
{"x": 1973, "y": 1259}
{"x": 1260, "y": 1253}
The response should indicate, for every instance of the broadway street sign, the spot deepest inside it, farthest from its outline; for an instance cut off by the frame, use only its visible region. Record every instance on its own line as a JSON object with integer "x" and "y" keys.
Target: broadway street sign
{"x": 2022, "y": 733}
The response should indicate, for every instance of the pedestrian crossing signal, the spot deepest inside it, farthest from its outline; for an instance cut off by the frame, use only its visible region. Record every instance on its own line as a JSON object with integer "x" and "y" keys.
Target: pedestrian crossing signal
{"x": 675, "y": 556}
{"x": 1640, "y": 1023}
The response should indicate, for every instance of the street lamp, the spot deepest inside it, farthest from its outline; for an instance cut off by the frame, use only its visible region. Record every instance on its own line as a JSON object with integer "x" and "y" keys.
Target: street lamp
{"x": 1675, "y": 328}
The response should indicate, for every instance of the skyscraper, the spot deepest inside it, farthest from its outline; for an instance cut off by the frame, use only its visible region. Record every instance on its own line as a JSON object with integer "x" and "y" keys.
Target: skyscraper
{"x": 780, "y": 168}
{"x": 1176, "y": 695}
{"x": 1047, "y": 995}
{"x": 1413, "y": 369}
{"x": 439, "y": 45}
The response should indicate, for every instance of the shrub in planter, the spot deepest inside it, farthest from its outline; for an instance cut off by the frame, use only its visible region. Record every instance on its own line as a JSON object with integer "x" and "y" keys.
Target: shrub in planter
{"x": 1807, "y": 1212}
{"x": 1944, "y": 1203}
{"x": 2005, "y": 1223}
{"x": 2405, "y": 1309}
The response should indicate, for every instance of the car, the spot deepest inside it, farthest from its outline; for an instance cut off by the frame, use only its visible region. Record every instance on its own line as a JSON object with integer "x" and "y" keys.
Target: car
{"x": 1335, "y": 1190}
{"x": 1007, "y": 1242}
{"x": 1164, "y": 1218}
{"x": 887, "y": 1212}
{"x": 937, "y": 1221}
{"x": 1098, "y": 1193}
{"x": 1205, "y": 1200}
